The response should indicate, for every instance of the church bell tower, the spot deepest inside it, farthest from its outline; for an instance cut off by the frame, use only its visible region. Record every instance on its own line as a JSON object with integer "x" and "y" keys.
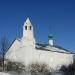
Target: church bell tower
{"x": 28, "y": 33}
{"x": 28, "y": 29}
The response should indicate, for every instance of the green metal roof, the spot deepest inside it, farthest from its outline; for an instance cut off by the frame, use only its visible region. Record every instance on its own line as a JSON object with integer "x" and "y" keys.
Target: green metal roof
{"x": 50, "y": 36}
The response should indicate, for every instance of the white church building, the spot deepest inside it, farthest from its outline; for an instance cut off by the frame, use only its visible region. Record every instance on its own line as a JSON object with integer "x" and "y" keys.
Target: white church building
{"x": 28, "y": 51}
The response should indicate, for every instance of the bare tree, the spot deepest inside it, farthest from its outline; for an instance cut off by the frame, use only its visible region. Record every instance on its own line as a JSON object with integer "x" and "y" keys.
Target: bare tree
{"x": 3, "y": 47}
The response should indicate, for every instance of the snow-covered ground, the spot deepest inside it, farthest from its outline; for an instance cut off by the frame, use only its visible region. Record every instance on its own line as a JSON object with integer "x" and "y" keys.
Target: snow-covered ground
{"x": 14, "y": 73}
{"x": 1, "y": 73}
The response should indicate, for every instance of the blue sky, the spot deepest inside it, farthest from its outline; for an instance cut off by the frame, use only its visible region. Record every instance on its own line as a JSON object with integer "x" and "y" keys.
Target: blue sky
{"x": 56, "y": 17}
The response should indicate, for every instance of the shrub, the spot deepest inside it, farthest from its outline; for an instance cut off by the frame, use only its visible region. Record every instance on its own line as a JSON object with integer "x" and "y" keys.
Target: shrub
{"x": 38, "y": 69}
{"x": 14, "y": 66}
{"x": 68, "y": 69}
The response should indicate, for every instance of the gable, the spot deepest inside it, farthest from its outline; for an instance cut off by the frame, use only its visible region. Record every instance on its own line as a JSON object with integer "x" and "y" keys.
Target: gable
{"x": 15, "y": 45}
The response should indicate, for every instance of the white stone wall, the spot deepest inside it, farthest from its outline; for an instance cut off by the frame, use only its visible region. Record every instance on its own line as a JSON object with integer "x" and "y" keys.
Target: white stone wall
{"x": 28, "y": 55}
{"x": 53, "y": 59}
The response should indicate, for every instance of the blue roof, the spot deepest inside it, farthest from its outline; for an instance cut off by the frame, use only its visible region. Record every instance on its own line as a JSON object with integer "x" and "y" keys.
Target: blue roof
{"x": 61, "y": 49}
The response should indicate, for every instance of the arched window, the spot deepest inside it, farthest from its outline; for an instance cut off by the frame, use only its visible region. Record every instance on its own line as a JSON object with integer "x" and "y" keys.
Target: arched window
{"x": 30, "y": 27}
{"x": 25, "y": 27}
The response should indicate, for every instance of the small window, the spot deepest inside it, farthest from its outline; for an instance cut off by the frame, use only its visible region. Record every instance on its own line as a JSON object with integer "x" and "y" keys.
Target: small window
{"x": 25, "y": 27}
{"x": 30, "y": 27}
